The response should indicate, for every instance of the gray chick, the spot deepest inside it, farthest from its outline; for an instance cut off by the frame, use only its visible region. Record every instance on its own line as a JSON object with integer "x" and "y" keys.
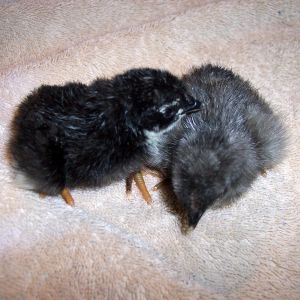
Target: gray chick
{"x": 213, "y": 156}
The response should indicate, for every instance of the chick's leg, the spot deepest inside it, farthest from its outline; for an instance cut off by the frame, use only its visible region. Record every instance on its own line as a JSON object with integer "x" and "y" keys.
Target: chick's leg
{"x": 156, "y": 174}
{"x": 66, "y": 195}
{"x": 139, "y": 181}
{"x": 129, "y": 181}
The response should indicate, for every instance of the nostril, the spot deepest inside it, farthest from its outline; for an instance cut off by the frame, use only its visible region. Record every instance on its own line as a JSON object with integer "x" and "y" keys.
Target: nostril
{"x": 191, "y": 105}
{"x": 197, "y": 103}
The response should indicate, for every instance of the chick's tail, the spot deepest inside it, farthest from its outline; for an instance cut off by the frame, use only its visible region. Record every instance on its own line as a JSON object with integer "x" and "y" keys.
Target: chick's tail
{"x": 37, "y": 160}
{"x": 270, "y": 138}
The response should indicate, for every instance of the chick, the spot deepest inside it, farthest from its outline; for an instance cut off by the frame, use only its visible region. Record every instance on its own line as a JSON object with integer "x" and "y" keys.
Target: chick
{"x": 80, "y": 135}
{"x": 212, "y": 157}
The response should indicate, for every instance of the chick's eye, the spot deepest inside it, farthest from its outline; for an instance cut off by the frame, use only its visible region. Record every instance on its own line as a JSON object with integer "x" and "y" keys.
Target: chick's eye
{"x": 168, "y": 113}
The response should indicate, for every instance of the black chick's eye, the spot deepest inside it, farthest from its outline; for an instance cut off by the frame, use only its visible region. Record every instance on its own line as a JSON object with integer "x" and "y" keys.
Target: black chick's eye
{"x": 168, "y": 113}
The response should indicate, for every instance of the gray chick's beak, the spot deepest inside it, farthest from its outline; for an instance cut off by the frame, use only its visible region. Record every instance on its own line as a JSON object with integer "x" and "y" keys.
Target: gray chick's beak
{"x": 196, "y": 106}
{"x": 194, "y": 217}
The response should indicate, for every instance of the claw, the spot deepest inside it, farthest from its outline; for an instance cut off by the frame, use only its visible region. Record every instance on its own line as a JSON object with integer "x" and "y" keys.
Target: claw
{"x": 263, "y": 173}
{"x": 42, "y": 195}
{"x": 66, "y": 195}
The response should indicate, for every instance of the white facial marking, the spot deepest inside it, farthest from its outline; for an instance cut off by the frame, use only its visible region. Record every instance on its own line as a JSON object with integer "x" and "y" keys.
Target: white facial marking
{"x": 155, "y": 140}
{"x": 166, "y": 106}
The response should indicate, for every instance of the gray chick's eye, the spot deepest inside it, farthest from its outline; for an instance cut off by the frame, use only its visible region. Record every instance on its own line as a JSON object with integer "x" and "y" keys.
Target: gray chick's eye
{"x": 168, "y": 113}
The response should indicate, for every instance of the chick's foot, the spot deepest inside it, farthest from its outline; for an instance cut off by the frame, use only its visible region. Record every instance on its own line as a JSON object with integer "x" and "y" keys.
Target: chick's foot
{"x": 66, "y": 195}
{"x": 139, "y": 180}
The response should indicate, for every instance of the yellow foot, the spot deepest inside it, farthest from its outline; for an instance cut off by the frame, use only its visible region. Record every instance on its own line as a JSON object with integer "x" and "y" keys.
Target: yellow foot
{"x": 139, "y": 180}
{"x": 67, "y": 197}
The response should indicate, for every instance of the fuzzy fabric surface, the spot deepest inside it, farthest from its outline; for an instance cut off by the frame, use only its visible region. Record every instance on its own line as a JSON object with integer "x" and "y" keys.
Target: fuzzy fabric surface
{"x": 109, "y": 246}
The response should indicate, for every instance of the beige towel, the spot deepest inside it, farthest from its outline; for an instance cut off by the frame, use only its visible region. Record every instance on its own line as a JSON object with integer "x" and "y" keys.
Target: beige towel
{"x": 109, "y": 246}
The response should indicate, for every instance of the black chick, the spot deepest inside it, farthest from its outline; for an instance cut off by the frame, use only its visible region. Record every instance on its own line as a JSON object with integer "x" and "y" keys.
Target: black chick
{"x": 213, "y": 156}
{"x": 80, "y": 135}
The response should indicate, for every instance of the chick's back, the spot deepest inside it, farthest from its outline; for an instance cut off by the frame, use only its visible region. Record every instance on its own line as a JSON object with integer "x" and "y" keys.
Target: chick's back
{"x": 232, "y": 104}
{"x": 55, "y": 134}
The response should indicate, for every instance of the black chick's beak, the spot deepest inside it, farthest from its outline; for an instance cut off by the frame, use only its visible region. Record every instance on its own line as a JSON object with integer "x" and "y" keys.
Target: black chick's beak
{"x": 192, "y": 108}
{"x": 194, "y": 217}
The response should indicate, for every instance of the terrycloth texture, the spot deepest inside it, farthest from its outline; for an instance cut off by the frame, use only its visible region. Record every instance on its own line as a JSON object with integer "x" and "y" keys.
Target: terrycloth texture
{"x": 110, "y": 247}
